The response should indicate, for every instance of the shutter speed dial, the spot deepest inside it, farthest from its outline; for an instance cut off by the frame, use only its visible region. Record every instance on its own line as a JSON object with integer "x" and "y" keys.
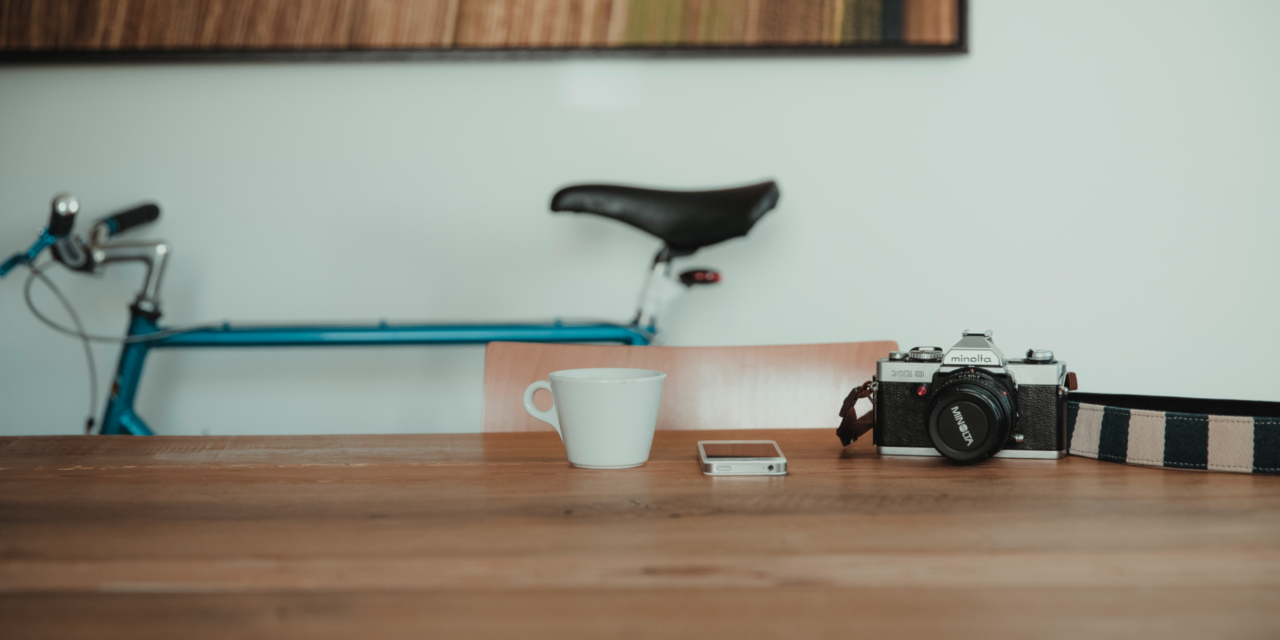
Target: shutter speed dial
{"x": 926, "y": 354}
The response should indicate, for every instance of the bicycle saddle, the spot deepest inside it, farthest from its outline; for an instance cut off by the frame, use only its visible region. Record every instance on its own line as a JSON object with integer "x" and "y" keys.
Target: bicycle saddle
{"x": 685, "y": 220}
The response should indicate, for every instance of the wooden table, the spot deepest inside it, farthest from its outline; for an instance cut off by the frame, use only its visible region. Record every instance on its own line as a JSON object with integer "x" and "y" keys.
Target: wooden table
{"x": 495, "y": 535}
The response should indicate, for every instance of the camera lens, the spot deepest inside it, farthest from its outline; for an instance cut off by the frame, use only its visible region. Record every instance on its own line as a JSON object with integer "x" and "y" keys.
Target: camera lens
{"x": 971, "y": 416}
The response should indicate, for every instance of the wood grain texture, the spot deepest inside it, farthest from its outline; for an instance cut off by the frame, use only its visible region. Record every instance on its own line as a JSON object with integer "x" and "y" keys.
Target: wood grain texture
{"x": 494, "y": 535}
{"x": 794, "y": 612}
{"x": 930, "y": 22}
{"x": 239, "y": 25}
{"x": 770, "y": 387}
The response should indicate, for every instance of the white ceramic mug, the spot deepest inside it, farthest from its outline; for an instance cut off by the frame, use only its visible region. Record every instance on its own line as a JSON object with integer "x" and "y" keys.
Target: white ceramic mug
{"x": 605, "y": 417}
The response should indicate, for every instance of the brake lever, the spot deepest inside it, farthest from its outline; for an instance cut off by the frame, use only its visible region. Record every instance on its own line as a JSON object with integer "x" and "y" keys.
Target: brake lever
{"x": 43, "y": 242}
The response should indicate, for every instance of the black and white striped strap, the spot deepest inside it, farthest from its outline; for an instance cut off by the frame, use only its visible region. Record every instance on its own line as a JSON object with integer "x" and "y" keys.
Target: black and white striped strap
{"x": 1181, "y": 433}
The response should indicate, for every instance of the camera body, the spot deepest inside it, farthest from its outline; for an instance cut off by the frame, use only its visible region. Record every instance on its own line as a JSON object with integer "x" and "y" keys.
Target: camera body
{"x": 971, "y": 403}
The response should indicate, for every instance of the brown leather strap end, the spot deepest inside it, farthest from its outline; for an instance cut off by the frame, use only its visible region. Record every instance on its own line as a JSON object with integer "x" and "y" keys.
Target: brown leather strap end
{"x": 851, "y": 425}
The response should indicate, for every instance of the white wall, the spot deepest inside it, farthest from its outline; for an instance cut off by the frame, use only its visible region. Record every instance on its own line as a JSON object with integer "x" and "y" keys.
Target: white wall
{"x": 1096, "y": 177}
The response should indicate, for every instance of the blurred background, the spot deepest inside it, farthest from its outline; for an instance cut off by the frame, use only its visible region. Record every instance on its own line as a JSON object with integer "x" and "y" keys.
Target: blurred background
{"x": 1097, "y": 178}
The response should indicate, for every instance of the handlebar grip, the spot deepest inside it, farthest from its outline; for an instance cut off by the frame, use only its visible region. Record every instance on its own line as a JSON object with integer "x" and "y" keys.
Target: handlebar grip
{"x": 125, "y": 220}
{"x": 62, "y": 214}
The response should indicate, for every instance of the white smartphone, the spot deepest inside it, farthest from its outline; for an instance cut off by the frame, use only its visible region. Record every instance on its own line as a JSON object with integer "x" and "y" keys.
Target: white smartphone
{"x": 742, "y": 458}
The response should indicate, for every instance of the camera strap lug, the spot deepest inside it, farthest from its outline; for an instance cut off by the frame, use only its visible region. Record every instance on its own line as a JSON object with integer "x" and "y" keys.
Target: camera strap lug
{"x": 852, "y": 425}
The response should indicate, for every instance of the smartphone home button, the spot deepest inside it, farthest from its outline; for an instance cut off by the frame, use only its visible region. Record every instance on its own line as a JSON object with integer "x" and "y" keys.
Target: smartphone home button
{"x": 724, "y": 467}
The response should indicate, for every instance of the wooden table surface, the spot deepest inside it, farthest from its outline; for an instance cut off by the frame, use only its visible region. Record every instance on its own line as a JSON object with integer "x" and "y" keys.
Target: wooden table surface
{"x": 496, "y": 536}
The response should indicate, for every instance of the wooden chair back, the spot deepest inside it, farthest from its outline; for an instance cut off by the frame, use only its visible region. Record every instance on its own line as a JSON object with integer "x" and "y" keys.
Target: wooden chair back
{"x": 770, "y": 387}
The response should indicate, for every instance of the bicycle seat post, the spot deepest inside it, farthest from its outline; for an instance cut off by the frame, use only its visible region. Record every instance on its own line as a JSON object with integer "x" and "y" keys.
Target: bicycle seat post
{"x": 661, "y": 288}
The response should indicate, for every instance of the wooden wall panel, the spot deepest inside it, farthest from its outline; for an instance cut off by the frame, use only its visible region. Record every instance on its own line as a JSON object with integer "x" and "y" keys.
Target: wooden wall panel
{"x": 798, "y": 22}
{"x": 336, "y": 25}
{"x": 860, "y": 21}
{"x": 930, "y": 22}
{"x": 396, "y": 24}
{"x": 500, "y": 24}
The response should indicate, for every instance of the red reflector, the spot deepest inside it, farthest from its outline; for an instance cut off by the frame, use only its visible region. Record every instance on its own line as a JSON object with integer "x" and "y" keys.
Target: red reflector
{"x": 921, "y": 390}
{"x": 699, "y": 276}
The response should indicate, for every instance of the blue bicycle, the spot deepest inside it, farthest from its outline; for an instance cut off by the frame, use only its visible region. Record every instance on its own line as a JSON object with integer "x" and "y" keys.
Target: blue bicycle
{"x": 685, "y": 221}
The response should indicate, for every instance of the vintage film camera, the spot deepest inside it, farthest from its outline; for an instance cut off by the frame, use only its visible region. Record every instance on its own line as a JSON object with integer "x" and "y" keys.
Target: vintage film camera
{"x": 970, "y": 403}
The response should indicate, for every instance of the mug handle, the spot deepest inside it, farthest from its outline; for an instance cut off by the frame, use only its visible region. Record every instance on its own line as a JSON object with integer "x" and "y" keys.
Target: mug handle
{"x": 549, "y": 416}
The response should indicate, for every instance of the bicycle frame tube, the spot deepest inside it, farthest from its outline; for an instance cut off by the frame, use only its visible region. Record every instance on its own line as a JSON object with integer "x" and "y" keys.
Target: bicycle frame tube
{"x": 120, "y": 417}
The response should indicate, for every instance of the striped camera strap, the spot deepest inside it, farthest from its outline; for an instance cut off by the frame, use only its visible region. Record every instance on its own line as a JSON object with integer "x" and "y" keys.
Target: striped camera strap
{"x": 1238, "y": 436}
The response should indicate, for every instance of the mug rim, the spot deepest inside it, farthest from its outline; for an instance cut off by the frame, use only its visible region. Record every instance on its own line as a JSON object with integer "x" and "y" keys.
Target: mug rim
{"x": 642, "y": 374}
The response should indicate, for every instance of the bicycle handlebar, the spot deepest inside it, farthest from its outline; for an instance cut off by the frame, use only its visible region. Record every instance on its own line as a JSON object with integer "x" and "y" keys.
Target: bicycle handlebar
{"x": 125, "y": 220}
{"x": 62, "y": 218}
